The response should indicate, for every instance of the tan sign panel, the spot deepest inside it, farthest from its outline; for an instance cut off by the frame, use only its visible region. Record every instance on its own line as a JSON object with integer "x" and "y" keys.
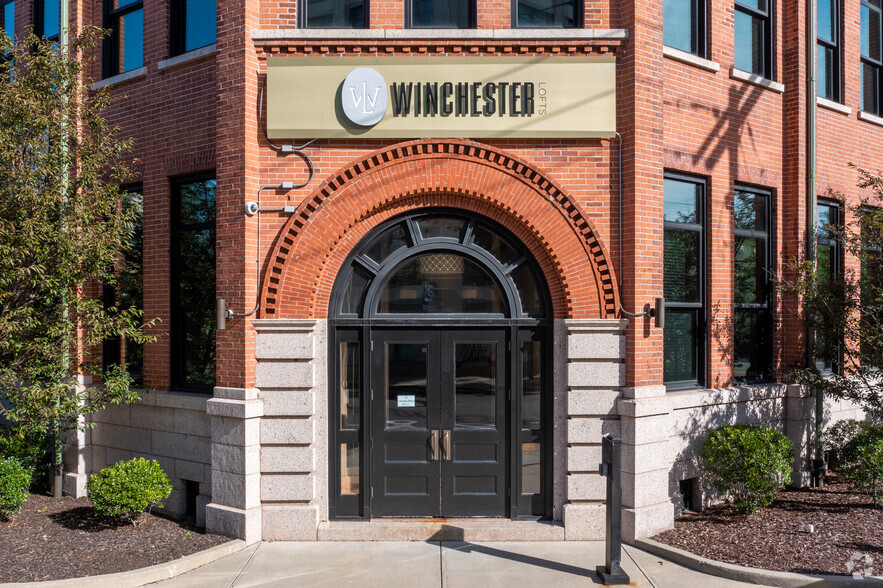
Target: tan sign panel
{"x": 441, "y": 97}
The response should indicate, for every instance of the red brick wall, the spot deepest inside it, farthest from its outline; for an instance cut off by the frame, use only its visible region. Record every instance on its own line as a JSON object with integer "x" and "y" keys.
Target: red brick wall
{"x": 671, "y": 116}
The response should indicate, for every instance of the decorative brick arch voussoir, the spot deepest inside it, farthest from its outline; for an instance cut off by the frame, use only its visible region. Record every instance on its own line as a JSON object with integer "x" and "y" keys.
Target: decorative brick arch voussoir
{"x": 455, "y": 173}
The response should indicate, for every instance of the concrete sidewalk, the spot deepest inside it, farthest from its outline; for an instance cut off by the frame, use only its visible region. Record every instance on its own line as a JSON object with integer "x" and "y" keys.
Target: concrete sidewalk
{"x": 436, "y": 565}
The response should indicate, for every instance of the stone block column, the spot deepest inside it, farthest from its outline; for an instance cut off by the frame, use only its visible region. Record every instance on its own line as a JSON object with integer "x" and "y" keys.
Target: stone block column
{"x": 595, "y": 372}
{"x": 235, "y": 509}
{"x": 800, "y": 408}
{"x": 76, "y": 452}
{"x": 645, "y": 413}
{"x": 291, "y": 376}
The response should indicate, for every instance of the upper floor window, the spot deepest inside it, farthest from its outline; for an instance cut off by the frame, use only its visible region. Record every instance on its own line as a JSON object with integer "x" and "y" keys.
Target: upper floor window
{"x": 752, "y": 327}
{"x": 8, "y": 22}
{"x": 871, "y": 56}
{"x": 546, "y": 13}
{"x": 193, "y": 283}
{"x": 753, "y": 37}
{"x": 124, "y": 48}
{"x": 440, "y": 14}
{"x": 684, "y": 282}
{"x": 47, "y": 19}
{"x": 828, "y": 49}
{"x": 194, "y": 24}
{"x": 683, "y": 25}
{"x": 334, "y": 14}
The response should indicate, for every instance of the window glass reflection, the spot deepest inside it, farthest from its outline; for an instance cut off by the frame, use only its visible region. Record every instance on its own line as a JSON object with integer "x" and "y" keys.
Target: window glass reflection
{"x": 441, "y": 283}
{"x": 679, "y": 28}
{"x": 475, "y": 385}
{"x": 349, "y": 468}
{"x": 680, "y": 336}
{"x": 680, "y": 201}
{"x": 547, "y": 13}
{"x": 349, "y": 385}
{"x": 493, "y": 244}
{"x": 531, "y": 470}
{"x": 435, "y": 227}
{"x": 388, "y": 244}
{"x": 341, "y": 14}
{"x": 531, "y": 399}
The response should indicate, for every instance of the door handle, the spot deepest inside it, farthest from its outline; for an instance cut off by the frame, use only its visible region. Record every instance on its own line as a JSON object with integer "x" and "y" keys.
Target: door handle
{"x": 446, "y": 446}
{"x": 433, "y": 446}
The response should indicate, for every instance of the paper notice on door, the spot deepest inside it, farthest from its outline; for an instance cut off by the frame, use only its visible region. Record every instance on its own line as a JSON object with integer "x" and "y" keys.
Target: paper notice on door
{"x": 406, "y": 401}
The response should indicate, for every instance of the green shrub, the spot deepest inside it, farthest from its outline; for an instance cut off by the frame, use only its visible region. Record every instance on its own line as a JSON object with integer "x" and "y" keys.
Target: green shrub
{"x": 30, "y": 448}
{"x": 838, "y": 435}
{"x": 861, "y": 459}
{"x": 14, "y": 482}
{"x": 747, "y": 463}
{"x": 128, "y": 488}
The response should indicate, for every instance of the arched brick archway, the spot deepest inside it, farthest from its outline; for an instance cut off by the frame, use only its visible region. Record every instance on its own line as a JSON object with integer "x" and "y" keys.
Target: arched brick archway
{"x": 316, "y": 239}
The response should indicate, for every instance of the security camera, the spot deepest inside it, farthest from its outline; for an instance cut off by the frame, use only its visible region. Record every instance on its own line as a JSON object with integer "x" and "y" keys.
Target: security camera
{"x": 251, "y": 208}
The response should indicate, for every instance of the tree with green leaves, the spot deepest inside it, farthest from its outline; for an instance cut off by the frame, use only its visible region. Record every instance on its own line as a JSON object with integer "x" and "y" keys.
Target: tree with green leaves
{"x": 64, "y": 228}
{"x": 845, "y": 310}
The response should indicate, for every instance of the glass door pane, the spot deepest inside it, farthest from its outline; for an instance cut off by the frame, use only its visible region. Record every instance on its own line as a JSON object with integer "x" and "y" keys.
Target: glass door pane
{"x": 475, "y": 385}
{"x": 406, "y": 385}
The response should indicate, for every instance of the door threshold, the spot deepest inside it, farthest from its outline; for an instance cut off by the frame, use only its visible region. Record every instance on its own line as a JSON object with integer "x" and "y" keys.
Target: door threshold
{"x": 441, "y": 529}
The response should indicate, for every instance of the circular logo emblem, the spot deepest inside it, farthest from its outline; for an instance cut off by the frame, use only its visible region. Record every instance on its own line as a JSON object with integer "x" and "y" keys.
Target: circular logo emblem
{"x": 364, "y": 96}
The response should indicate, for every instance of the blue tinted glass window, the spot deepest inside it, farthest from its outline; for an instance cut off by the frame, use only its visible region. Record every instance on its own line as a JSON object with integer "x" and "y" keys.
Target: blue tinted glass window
{"x": 341, "y": 14}
{"x": 51, "y": 18}
{"x": 547, "y": 13}
{"x": 679, "y": 27}
{"x": 9, "y": 18}
{"x": 749, "y": 43}
{"x": 825, "y": 19}
{"x": 201, "y": 27}
{"x": 828, "y": 49}
{"x": 131, "y": 38}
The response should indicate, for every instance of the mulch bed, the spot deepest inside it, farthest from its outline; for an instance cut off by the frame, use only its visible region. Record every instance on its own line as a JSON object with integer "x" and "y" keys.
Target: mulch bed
{"x": 847, "y": 537}
{"x": 54, "y": 539}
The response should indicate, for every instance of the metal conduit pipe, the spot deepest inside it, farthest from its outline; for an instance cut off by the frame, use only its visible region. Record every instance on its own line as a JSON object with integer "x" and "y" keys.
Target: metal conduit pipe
{"x": 811, "y": 140}
{"x": 254, "y": 209}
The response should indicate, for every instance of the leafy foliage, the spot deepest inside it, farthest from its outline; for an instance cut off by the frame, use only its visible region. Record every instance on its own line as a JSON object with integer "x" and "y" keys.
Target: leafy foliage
{"x": 15, "y": 479}
{"x": 128, "y": 488}
{"x": 846, "y": 311}
{"x": 748, "y": 463}
{"x": 839, "y": 434}
{"x": 30, "y": 448}
{"x": 857, "y": 447}
{"x": 62, "y": 232}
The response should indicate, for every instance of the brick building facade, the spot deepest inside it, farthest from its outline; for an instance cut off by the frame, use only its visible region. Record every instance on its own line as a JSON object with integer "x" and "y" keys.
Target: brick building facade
{"x": 268, "y": 431}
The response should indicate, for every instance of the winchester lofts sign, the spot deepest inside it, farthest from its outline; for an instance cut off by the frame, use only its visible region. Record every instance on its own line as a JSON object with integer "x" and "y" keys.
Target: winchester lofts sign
{"x": 413, "y": 97}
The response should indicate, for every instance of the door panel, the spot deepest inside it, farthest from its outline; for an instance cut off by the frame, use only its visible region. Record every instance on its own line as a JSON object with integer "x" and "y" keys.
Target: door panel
{"x": 474, "y": 384}
{"x": 405, "y": 411}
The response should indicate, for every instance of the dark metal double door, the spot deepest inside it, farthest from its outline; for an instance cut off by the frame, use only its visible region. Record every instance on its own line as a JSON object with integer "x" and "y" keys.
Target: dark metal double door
{"x": 439, "y": 430}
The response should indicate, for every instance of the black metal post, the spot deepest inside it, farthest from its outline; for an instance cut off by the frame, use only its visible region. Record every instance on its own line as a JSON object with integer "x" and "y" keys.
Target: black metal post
{"x": 611, "y": 467}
